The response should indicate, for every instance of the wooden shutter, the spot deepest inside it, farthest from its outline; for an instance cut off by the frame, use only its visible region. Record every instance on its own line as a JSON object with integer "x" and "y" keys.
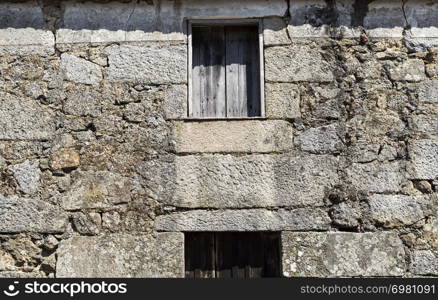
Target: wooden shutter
{"x": 242, "y": 71}
{"x": 208, "y": 72}
{"x": 225, "y": 71}
{"x": 232, "y": 255}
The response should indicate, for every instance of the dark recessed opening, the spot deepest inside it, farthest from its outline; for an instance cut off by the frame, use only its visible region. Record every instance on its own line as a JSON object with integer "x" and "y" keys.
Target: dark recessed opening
{"x": 232, "y": 254}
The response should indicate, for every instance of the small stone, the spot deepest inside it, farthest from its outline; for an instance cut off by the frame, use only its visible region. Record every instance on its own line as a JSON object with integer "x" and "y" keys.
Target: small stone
{"x": 321, "y": 140}
{"x": 424, "y": 262}
{"x": 50, "y": 242}
{"x": 399, "y": 210}
{"x": 424, "y": 186}
{"x": 432, "y": 70}
{"x": 27, "y": 175}
{"x": 34, "y": 90}
{"x": 411, "y": 70}
{"x": 87, "y": 223}
{"x": 80, "y": 70}
{"x": 346, "y": 214}
{"x": 30, "y": 215}
{"x": 64, "y": 159}
{"x": 111, "y": 220}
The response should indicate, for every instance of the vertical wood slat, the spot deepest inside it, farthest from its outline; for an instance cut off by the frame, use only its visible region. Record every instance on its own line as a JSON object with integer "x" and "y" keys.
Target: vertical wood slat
{"x": 232, "y": 255}
{"x": 224, "y": 254}
{"x": 208, "y": 98}
{"x": 242, "y": 71}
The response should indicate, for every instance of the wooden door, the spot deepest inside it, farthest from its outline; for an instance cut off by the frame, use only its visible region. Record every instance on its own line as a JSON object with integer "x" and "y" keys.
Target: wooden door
{"x": 225, "y": 71}
{"x": 232, "y": 255}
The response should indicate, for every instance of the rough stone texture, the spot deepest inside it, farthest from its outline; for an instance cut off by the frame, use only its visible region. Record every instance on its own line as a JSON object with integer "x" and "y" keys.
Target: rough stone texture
{"x": 423, "y": 32}
{"x": 424, "y": 262}
{"x": 24, "y": 119}
{"x": 247, "y": 181}
{"x": 156, "y": 64}
{"x": 411, "y": 70}
{"x": 64, "y": 159}
{"x": 428, "y": 92}
{"x": 151, "y": 21}
{"x": 399, "y": 210}
{"x": 292, "y": 64}
{"x": 424, "y": 159}
{"x": 244, "y": 220}
{"x": 233, "y": 136}
{"x": 342, "y": 254}
{"x": 424, "y": 124}
{"x": 96, "y": 189}
{"x": 354, "y": 82}
{"x": 27, "y": 175}
{"x": 376, "y": 177}
{"x": 325, "y": 139}
{"x": 384, "y": 19}
{"x": 80, "y": 70}
{"x": 26, "y": 41}
{"x": 30, "y": 215}
{"x": 282, "y": 100}
{"x": 275, "y": 32}
{"x": 175, "y": 100}
{"x": 320, "y": 19}
{"x": 346, "y": 214}
{"x": 122, "y": 255}
{"x": 23, "y": 30}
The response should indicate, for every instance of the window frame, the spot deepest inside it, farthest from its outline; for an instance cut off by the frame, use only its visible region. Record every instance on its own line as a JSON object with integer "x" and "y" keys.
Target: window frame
{"x": 250, "y": 21}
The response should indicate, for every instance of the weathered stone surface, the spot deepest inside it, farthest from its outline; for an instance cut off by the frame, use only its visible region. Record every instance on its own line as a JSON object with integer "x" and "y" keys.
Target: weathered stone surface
{"x": 175, "y": 102}
{"x": 275, "y": 32}
{"x": 411, "y": 70}
{"x": 314, "y": 254}
{"x": 154, "y": 64}
{"x": 79, "y": 70}
{"x": 428, "y": 92}
{"x": 424, "y": 159}
{"x": 384, "y": 19}
{"x": 424, "y": 262}
{"x": 423, "y": 31}
{"x": 151, "y": 21}
{"x": 30, "y": 215}
{"x": 23, "y": 30}
{"x": 27, "y": 174}
{"x": 222, "y": 181}
{"x": 244, "y": 220}
{"x": 325, "y": 139}
{"x": 96, "y": 190}
{"x": 320, "y": 19}
{"x": 64, "y": 159}
{"x": 376, "y": 177}
{"x": 290, "y": 64}
{"x": 376, "y": 123}
{"x": 399, "y": 210}
{"x": 424, "y": 124}
{"x": 24, "y": 119}
{"x": 26, "y": 41}
{"x": 116, "y": 22}
{"x": 282, "y": 100}
{"x": 83, "y": 101}
{"x": 122, "y": 255}
{"x": 233, "y": 136}
{"x": 346, "y": 214}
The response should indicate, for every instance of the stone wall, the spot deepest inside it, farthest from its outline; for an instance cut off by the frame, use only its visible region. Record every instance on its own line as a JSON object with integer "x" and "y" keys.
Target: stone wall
{"x": 100, "y": 166}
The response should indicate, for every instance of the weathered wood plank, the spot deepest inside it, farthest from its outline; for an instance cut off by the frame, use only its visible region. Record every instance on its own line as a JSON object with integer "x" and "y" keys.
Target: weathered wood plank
{"x": 242, "y": 71}
{"x": 208, "y": 73}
